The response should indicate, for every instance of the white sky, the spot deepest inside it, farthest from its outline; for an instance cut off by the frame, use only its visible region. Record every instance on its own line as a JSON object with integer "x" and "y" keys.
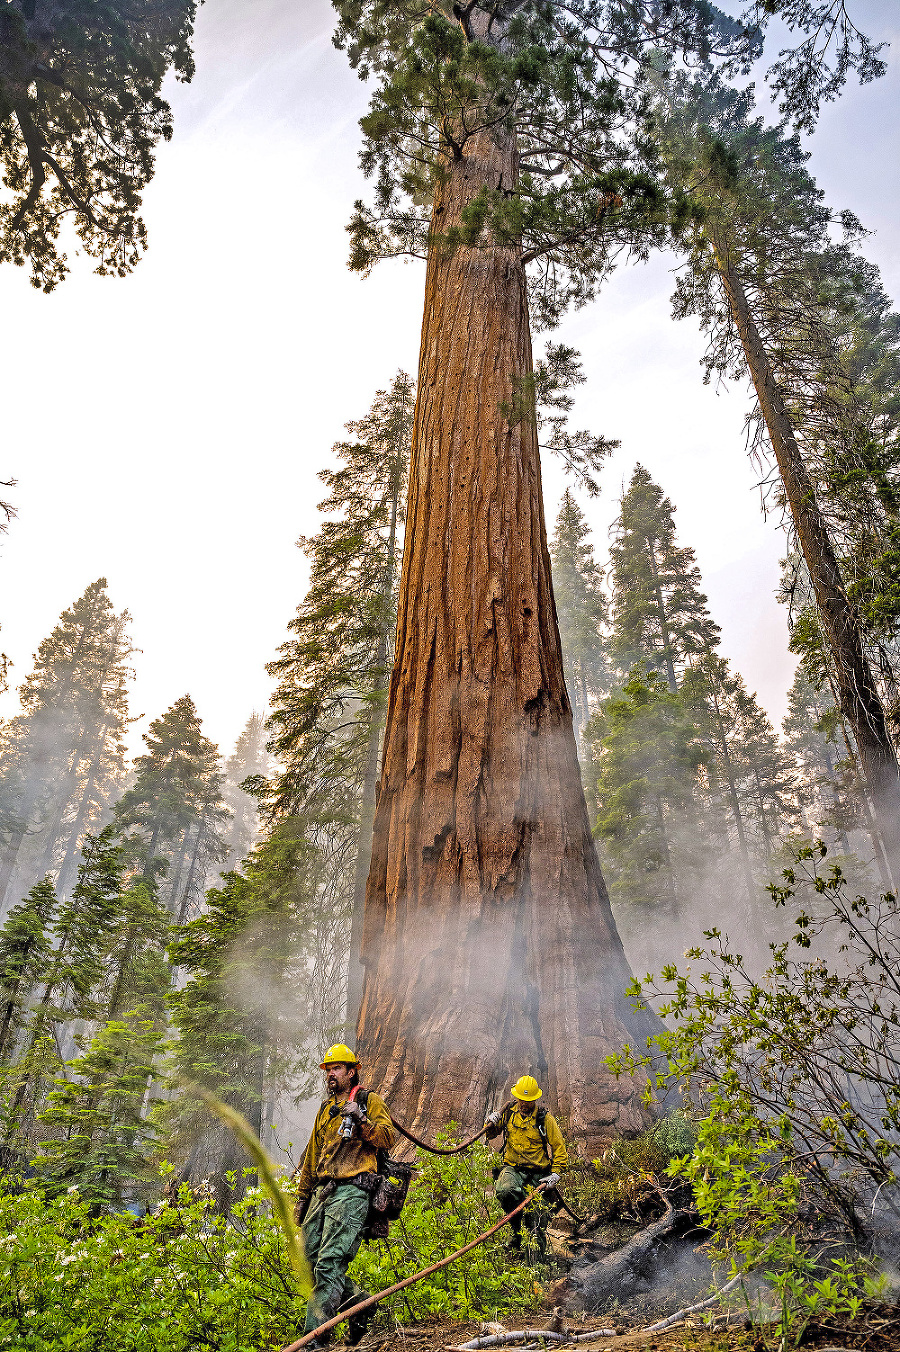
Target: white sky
{"x": 166, "y": 429}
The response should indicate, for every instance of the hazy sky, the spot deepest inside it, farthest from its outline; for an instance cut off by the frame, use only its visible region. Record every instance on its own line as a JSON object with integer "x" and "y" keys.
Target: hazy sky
{"x": 166, "y": 429}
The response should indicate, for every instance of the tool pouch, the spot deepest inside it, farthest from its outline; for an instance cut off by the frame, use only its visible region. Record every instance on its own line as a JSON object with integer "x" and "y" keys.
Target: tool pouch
{"x": 387, "y": 1198}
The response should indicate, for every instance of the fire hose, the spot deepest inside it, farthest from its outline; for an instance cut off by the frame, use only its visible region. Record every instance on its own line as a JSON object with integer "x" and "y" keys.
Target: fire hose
{"x": 409, "y": 1281}
{"x": 464, "y": 1145}
{"x": 470, "y": 1140}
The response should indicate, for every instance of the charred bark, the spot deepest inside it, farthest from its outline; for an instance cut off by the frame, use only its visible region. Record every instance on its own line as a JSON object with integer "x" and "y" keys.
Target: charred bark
{"x": 488, "y": 942}
{"x": 857, "y": 693}
{"x": 592, "y": 1282}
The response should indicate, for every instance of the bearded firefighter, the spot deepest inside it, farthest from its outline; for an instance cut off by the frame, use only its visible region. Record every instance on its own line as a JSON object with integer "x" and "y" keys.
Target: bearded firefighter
{"x": 336, "y": 1177}
{"x": 533, "y": 1152}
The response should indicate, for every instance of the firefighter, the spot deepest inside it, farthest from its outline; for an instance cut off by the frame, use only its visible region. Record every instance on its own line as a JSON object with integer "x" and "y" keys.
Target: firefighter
{"x": 336, "y": 1176}
{"x": 533, "y": 1152}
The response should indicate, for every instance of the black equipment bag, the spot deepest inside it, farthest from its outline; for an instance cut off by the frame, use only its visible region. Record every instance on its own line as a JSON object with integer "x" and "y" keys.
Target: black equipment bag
{"x": 390, "y": 1186}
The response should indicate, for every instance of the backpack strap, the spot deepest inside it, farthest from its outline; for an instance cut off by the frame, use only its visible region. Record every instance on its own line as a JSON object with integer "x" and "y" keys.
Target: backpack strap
{"x": 540, "y": 1114}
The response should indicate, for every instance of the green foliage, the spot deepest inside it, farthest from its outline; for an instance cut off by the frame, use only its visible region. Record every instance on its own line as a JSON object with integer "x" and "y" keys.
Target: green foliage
{"x": 62, "y": 759}
{"x": 333, "y": 672}
{"x": 25, "y": 955}
{"x": 796, "y": 1072}
{"x": 173, "y": 817}
{"x": 104, "y": 1144}
{"x": 450, "y": 1202}
{"x": 647, "y": 749}
{"x": 660, "y": 616}
{"x": 629, "y": 1173}
{"x": 580, "y": 609}
{"x": 181, "y": 1278}
{"x": 830, "y": 340}
{"x": 80, "y": 118}
{"x": 242, "y": 1015}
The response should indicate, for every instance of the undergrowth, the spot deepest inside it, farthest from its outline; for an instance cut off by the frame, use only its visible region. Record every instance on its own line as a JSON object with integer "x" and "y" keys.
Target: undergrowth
{"x": 629, "y": 1172}
{"x": 186, "y": 1276}
{"x": 450, "y": 1202}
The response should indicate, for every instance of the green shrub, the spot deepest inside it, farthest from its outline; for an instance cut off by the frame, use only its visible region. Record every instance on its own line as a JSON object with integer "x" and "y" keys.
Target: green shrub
{"x": 615, "y": 1186}
{"x": 450, "y": 1202}
{"x": 188, "y": 1277}
{"x": 182, "y": 1278}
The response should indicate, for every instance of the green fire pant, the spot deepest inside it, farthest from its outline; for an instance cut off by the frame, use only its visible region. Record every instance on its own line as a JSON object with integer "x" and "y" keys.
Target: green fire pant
{"x": 332, "y": 1233}
{"x": 512, "y": 1187}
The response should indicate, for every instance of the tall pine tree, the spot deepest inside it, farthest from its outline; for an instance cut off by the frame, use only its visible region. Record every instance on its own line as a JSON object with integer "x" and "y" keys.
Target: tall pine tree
{"x": 659, "y": 614}
{"x": 248, "y": 761}
{"x": 62, "y": 760}
{"x": 581, "y": 609}
{"x": 173, "y": 818}
{"x": 333, "y": 672}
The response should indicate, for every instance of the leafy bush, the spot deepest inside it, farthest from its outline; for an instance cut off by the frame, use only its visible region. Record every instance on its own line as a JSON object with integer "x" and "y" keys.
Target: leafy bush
{"x": 627, "y": 1174}
{"x": 188, "y": 1276}
{"x": 182, "y": 1278}
{"x": 797, "y": 1080}
{"x": 450, "y": 1202}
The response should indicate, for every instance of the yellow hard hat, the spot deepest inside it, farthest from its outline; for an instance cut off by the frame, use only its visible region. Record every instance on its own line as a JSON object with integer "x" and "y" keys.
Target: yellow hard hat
{"x": 526, "y": 1089}
{"x": 338, "y": 1055}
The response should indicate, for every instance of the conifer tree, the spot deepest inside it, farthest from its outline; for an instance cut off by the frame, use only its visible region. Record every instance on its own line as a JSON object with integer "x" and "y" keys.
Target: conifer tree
{"x": 763, "y": 277}
{"x": 249, "y": 761}
{"x": 810, "y": 729}
{"x": 104, "y": 1142}
{"x": 659, "y": 614}
{"x": 332, "y": 674}
{"x": 647, "y": 751}
{"x": 581, "y": 609}
{"x": 62, "y": 758}
{"x": 518, "y": 129}
{"x": 748, "y": 773}
{"x": 172, "y": 819}
{"x": 80, "y": 118}
{"x": 25, "y": 955}
{"x": 246, "y": 1023}
{"x": 70, "y": 989}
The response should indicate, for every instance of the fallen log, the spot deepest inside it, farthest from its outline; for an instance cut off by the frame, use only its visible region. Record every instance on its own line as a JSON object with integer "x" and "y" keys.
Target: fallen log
{"x": 589, "y": 1284}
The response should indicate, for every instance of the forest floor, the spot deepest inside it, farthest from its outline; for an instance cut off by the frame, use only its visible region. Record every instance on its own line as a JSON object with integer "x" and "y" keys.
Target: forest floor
{"x": 681, "y": 1278}
{"x": 878, "y": 1330}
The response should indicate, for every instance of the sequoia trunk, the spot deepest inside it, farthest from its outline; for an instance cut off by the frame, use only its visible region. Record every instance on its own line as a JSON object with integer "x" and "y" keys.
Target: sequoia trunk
{"x": 856, "y": 690}
{"x": 489, "y": 945}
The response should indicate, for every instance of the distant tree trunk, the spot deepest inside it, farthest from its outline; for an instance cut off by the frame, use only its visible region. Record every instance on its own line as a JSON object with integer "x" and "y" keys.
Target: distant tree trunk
{"x": 9, "y": 857}
{"x": 663, "y": 621}
{"x": 192, "y": 870}
{"x": 829, "y": 770}
{"x": 53, "y": 828}
{"x": 671, "y": 888}
{"x": 68, "y": 863}
{"x": 489, "y": 944}
{"x": 355, "y": 969}
{"x": 857, "y": 692}
{"x": 735, "y": 806}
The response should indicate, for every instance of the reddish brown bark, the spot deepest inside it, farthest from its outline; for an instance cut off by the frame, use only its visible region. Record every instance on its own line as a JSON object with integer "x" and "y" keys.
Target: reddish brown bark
{"x": 489, "y": 945}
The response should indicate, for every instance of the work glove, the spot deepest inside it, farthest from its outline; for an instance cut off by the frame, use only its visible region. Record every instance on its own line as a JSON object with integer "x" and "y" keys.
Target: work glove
{"x": 550, "y": 1182}
{"x": 492, "y": 1120}
{"x": 353, "y": 1111}
{"x": 301, "y": 1206}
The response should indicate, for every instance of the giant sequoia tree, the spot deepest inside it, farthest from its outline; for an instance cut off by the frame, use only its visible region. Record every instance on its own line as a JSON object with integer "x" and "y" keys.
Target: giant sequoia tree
{"x": 80, "y": 118}
{"x": 488, "y": 941}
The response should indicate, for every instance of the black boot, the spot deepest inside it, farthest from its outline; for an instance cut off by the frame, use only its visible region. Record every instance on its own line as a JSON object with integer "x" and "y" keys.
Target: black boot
{"x": 357, "y": 1326}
